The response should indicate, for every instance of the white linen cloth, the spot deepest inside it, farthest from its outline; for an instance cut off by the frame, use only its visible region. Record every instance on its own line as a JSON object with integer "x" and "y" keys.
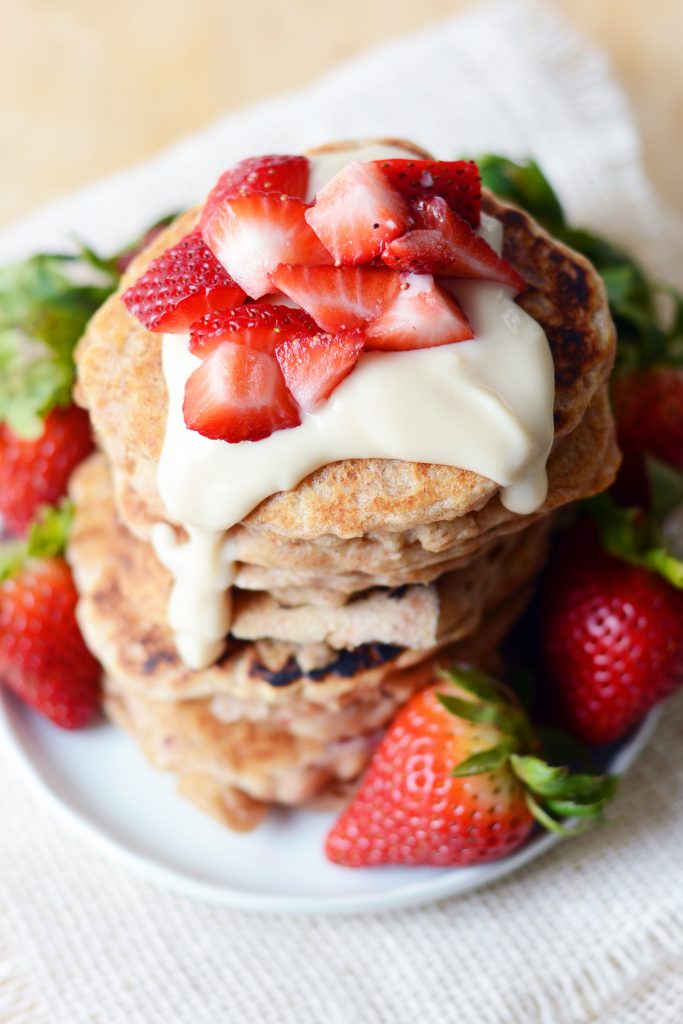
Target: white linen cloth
{"x": 594, "y": 932}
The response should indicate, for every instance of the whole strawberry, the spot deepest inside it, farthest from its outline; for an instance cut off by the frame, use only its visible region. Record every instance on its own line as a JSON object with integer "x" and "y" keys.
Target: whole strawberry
{"x": 43, "y": 657}
{"x": 36, "y": 472}
{"x": 455, "y": 783}
{"x": 611, "y": 636}
{"x": 648, "y": 406}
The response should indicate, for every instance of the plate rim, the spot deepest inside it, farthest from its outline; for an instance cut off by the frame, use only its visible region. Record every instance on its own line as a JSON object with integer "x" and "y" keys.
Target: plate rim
{"x": 398, "y": 896}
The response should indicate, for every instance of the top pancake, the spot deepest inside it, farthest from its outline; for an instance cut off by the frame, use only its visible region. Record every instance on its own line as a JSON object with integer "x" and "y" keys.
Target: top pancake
{"x": 121, "y": 382}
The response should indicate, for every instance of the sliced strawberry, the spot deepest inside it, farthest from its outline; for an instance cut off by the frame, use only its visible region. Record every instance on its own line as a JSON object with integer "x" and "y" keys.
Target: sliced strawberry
{"x": 256, "y": 326}
{"x": 251, "y": 234}
{"x": 421, "y": 316}
{"x": 445, "y": 245}
{"x": 339, "y": 298}
{"x": 419, "y": 252}
{"x": 178, "y": 287}
{"x": 238, "y": 394}
{"x": 457, "y": 181}
{"x": 357, "y": 214}
{"x": 314, "y": 365}
{"x": 287, "y": 175}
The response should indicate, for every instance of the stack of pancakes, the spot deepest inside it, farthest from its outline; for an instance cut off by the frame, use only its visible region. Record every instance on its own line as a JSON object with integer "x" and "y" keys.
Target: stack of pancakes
{"x": 348, "y": 588}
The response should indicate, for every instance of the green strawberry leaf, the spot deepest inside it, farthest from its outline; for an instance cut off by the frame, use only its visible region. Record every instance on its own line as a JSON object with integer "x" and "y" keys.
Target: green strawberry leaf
{"x": 523, "y": 184}
{"x": 627, "y": 534}
{"x": 475, "y": 682}
{"x": 45, "y": 304}
{"x": 50, "y": 531}
{"x": 548, "y": 822}
{"x": 568, "y": 808}
{"x": 43, "y": 313}
{"x": 12, "y": 557}
{"x": 47, "y": 538}
{"x": 486, "y": 760}
{"x": 549, "y": 781}
{"x": 504, "y": 717}
{"x": 535, "y": 773}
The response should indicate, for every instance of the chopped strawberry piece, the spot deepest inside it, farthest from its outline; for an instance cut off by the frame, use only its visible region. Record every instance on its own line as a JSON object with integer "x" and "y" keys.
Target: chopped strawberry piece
{"x": 256, "y": 326}
{"x": 445, "y": 245}
{"x": 419, "y": 252}
{"x": 178, "y": 287}
{"x": 238, "y": 394}
{"x": 457, "y": 181}
{"x": 357, "y": 214}
{"x": 421, "y": 316}
{"x": 314, "y": 365}
{"x": 251, "y": 234}
{"x": 287, "y": 175}
{"x": 339, "y": 298}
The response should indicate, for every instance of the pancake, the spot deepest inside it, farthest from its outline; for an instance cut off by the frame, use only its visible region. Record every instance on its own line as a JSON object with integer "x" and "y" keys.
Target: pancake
{"x": 234, "y": 769}
{"x": 121, "y": 383}
{"x": 322, "y": 570}
{"x": 124, "y": 593}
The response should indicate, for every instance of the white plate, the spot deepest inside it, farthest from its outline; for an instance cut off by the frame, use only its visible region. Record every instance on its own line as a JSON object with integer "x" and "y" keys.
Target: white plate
{"x": 100, "y": 782}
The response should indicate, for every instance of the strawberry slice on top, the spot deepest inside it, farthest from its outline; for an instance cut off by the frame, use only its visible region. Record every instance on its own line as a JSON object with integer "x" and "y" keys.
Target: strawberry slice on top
{"x": 180, "y": 286}
{"x": 252, "y": 233}
{"x": 339, "y": 298}
{"x": 313, "y": 365}
{"x": 256, "y": 326}
{"x": 444, "y": 244}
{"x": 422, "y": 315}
{"x": 357, "y": 214}
{"x": 277, "y": 173}
{"x": 456, "y": 181}
{"x": 238, "y": 394}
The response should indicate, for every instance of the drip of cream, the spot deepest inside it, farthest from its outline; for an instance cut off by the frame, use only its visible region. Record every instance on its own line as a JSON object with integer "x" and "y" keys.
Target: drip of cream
{"x": 484, "y": 405}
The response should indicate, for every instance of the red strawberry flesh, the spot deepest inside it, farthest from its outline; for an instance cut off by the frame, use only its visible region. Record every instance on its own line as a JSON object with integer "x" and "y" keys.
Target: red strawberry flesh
{"x": 263, "y": 327}
{"x": 357, "y": 214}
{"x": 284, "y": 174}
{"x": 180, "y": 286}
{"x": 252, "y": 233}
{"x": 238, "y": 394}
{"x": 456, "y": 181}
{"x": 444, "y": 244}
{"x": 339, "y": 298}
{"x": 313, "y": 365}
{"x": 422, "y": 315}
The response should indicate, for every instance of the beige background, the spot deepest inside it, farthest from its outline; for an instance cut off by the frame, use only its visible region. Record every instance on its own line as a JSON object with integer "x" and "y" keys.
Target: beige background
{"x": 89, "y": 86}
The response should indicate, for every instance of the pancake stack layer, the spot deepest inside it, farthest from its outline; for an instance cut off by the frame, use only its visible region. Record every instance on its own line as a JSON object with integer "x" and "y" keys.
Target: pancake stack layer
{"x": 348, "y": 588}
